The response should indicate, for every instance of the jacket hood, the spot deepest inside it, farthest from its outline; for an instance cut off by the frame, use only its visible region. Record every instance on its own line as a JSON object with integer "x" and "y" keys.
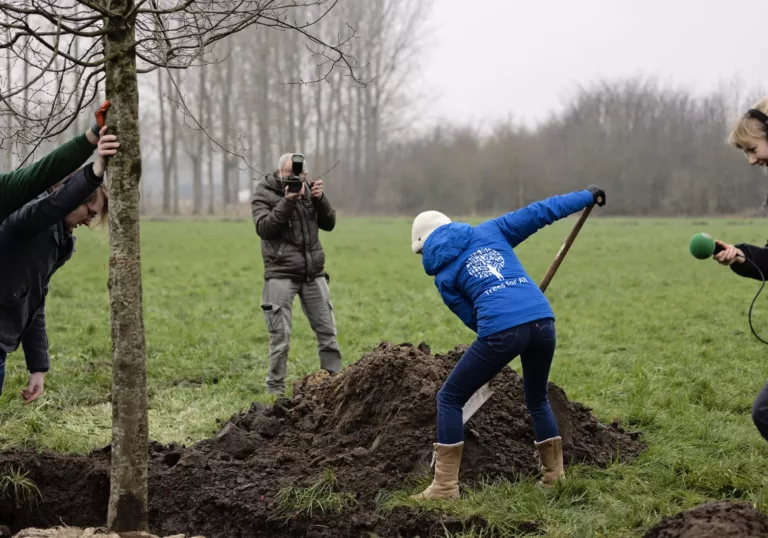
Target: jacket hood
{"x": 271, "y": 181}
{"x": 444, "y": 245}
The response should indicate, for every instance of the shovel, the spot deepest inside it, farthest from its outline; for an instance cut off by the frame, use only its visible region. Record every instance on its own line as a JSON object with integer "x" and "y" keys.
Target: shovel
{"x": 482, "y": 394}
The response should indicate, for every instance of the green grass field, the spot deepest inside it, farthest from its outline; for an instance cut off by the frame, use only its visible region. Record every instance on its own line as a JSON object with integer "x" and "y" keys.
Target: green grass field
{"x": 646, "y": 334}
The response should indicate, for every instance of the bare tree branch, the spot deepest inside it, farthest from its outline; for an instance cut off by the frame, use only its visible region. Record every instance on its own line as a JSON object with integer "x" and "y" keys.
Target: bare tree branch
{"x": 170, "y": 35}
{"x": 202, "y": 129}
{"x": 4, "y": 97}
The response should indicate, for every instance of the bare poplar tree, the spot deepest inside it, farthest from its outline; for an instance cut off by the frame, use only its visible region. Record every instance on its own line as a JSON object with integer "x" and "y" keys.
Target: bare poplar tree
{"x": 122, "y": 39}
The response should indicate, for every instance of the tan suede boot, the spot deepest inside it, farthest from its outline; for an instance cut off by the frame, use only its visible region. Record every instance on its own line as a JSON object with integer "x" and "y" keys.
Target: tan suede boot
{"x": 551, "y": 458}
{"x": 445, "y": 484}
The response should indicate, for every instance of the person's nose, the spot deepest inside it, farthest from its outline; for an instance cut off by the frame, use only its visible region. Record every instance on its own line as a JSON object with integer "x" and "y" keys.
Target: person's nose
{"x": 752, "y": 160}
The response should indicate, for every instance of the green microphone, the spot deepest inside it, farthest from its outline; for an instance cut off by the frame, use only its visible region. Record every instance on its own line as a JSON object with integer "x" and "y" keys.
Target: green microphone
{"x": 703, "y": 246}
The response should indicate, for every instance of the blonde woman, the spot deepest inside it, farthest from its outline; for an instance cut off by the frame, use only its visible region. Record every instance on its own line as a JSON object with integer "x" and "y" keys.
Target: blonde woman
{"x": 750, "y": 135}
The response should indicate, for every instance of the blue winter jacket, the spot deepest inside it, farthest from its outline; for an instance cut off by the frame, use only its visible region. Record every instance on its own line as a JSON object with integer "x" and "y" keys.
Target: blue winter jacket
{"x": 478, "y": 274}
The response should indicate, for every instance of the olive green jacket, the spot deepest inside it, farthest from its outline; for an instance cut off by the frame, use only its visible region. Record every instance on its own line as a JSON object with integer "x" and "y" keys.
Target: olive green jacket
{"x": 21, "y": 186}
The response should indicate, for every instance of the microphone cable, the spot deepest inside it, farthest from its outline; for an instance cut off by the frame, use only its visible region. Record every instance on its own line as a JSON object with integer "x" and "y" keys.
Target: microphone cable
{"x": 749, "y": 316}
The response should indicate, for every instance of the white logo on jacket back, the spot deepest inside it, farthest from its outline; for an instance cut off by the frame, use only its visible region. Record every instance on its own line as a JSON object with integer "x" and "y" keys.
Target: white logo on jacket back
{"x": 484, "y": 263}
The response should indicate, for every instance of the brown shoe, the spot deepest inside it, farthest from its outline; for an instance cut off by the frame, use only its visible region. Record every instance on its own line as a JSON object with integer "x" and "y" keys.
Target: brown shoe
{"x": 445, "y": 484}
{"x": 551, "y": 459}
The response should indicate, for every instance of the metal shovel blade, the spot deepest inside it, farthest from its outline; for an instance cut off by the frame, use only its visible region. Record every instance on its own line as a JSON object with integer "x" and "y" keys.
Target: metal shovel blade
{"x": 476, "y": 401}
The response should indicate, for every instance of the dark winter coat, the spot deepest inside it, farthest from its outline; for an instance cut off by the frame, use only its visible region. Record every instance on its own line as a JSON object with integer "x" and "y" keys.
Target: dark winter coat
{"x": 758, "y": 255}
{"x": 289, "y": 231}
{"x": 34, "y": 243}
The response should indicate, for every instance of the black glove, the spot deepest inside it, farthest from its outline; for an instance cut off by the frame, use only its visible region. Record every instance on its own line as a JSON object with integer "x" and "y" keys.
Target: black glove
{"x": 598, "y": 194}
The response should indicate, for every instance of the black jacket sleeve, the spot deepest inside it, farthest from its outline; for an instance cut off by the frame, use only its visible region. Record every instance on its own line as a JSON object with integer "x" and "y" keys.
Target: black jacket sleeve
{"x": 23, "y": 185}
{"x": 270, "y": 220}
{"x": 35, "y": 344}
{"x": 326, "y": 215}
{"x": 758, "y": 255}
{"x": 46, "y": 211}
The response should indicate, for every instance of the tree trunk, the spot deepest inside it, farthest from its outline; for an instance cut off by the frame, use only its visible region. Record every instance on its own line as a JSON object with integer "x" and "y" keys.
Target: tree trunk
{"x": 320, "y": 158}
{"x": 290, "y": 142}
{"x": 211, "y": 189}
{"x": 197, "y": 159}
{"x": 226, "y": 187}
{"x": 174, "y": 155}
{"x": 197, "y": 182}
{"x": 368, "y": 169}
{"x": 165, "y": 158}
{"x": 207, "y": 121}
{"x": 127, "y": 510}
{"x": 264, "y": 116}
{"x": 349, "y": 143}
{"x": 301, "y": 129}
{"x": 9, "y": 141}
{"x": 359, "y": 144}
{"x": 335, "y": 150}
{"x": 25, "y": 71}
{"x": 252, "y": 148}
{"x": 74, "y": 127}
{"x": 300, "y": 140}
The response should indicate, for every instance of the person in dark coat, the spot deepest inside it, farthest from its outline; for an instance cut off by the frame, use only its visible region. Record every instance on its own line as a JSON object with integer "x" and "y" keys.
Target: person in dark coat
{"x": 294, "y": 264}
{"x": 35, "y": 241}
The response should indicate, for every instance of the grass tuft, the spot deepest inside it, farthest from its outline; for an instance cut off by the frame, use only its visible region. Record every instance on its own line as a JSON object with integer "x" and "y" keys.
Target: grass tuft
{"x": 17, "y": 488}
{"x": 321, "y": 496}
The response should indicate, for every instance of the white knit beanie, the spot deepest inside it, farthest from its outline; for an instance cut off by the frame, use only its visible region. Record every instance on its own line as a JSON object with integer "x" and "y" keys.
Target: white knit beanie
{"x": 424, "y": 224}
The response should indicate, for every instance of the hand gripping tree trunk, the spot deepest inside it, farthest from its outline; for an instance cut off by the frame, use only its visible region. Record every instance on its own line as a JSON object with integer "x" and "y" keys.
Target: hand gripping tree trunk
{"x": 128, "y": 482}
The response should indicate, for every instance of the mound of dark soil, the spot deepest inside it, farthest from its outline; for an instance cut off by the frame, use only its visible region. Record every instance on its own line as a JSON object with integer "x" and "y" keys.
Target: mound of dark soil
{"x": 373, "y": 424}
{"x": 723, "y": 519}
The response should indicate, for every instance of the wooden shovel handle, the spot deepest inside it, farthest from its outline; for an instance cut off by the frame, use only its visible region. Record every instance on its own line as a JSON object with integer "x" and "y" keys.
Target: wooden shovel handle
{"x": 564, "y": 248}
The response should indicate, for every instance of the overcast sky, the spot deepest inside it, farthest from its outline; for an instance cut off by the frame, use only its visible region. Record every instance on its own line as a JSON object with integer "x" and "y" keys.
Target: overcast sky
{"x": 522, "y": 58}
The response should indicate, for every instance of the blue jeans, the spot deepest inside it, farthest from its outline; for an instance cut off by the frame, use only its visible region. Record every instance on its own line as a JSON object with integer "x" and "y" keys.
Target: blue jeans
{"x": 535, "y": 343}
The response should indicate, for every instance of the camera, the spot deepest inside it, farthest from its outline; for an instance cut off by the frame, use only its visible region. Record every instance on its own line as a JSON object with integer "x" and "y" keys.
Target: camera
{"x": 295, "y": 181}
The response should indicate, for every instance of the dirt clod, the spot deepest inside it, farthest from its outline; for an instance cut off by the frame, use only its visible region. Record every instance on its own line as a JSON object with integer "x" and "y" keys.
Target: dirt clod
{"x": 722, "y": 519}
{"x": 372, "y": 424}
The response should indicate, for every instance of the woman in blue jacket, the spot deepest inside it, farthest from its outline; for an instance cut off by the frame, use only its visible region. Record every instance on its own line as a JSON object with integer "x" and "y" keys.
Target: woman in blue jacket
{"x": 481, "y": 280}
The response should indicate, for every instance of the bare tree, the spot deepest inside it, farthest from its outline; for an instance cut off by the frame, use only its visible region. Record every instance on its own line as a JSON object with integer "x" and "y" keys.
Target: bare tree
{"x": 193, "y": 138}
{"x": 165, "y": 149}
{"x": 264, "y": 98}
{"x": 207, "y": 119}
{"x": 226, "y": 127}
{"x": 126, "y": 38}
{"x": 174, "y": 156}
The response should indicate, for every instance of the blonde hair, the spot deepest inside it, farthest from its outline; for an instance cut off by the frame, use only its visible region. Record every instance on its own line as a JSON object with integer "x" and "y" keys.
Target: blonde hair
{"x": 103, "y": 189}
{"x": 102, "y": 217}
{"x": 747, "y": 128}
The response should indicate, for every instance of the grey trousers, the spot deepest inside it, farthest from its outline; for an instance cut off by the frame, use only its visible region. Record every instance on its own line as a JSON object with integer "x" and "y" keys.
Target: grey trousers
{"x": 277, "y": 300}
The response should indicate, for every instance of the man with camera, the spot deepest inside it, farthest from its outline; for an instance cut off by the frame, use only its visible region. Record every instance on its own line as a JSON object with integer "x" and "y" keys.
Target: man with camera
{"x": 288, "y": 212}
